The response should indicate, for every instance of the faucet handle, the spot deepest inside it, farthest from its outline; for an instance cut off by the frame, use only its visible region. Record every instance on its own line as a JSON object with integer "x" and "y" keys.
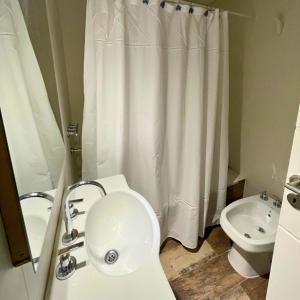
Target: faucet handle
{"x": 277, "y": 201}
{"x": 66, "y": 266}
{"x": 78, "y": 200}
{"x": 264, "y": 196}
{"x": 70, "y": 238}
{"x": 71, "y": 234}
{"x": 73, "y": 211}
{"x": 70, "y": 248}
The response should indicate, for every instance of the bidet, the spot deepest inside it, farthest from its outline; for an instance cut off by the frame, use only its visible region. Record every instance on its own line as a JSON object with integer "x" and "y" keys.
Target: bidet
{"x": 251, "y": 223}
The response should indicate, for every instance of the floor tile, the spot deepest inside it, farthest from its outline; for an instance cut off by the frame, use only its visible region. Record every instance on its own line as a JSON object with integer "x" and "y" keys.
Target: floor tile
{"x": 169, "y": 244}
{"x": 256, "y": 288}
{"x": 205, "y": 273}
{"x": 236, "y": 293}
{"x": 206, "y": 281}
{"x": 178, "y": 258}
{"x": 218, "y": 240}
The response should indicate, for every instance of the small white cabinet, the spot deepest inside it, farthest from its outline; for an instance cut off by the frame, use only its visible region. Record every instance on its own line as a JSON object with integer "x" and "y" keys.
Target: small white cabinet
{"x": 285, "y": 270}
{"x": 284, "y": 283}
{"x": 289, "y": 216}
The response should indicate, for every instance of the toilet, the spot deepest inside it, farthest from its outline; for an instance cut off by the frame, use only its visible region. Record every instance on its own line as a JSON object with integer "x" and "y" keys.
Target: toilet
{"x": 251, "y": 224}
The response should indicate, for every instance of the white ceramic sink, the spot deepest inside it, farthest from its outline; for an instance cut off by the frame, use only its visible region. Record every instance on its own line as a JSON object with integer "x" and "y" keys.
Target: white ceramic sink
{"x": 124, "y": 222}
{"x": 36, "y": 215}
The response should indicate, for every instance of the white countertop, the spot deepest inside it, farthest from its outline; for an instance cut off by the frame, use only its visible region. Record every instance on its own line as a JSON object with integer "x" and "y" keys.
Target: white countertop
{"x": 148, "y": 282}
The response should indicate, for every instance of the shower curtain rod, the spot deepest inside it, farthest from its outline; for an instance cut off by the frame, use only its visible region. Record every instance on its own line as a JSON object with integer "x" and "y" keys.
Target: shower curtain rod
{"x": 208, "y": 7}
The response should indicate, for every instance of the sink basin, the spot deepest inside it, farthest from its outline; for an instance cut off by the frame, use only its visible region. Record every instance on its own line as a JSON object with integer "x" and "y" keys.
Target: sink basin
{"x": 36, "y": 215}
{"x": 121, "y": 232}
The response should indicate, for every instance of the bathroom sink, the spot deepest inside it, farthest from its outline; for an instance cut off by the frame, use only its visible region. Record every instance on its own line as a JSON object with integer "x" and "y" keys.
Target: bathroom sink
{"x": 121, "y": 233}
{"x": 36, "y": 212}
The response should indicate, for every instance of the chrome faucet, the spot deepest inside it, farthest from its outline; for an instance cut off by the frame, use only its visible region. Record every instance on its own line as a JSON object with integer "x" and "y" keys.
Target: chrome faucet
{"x": 71, "y": 234}
{"x": 88, "y": 182}
{"x": 264, "y": 196}
{"x": 277, "y": 201}
{"x": 37, "y": 195}
{"x": 66, "y": 267}
{"x": 67, "y": 263}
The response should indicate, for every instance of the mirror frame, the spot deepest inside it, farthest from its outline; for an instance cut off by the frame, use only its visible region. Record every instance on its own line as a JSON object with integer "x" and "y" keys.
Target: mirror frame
{"x": 10, "y": 207}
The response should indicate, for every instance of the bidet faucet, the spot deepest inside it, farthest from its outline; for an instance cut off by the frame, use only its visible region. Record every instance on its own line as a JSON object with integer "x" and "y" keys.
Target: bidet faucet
{"x": 277, "y": 201}
{"x": 264, "y": 196}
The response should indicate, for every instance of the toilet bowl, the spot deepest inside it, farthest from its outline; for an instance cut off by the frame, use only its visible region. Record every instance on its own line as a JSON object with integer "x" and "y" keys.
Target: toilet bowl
{"x": 251, "y": 224}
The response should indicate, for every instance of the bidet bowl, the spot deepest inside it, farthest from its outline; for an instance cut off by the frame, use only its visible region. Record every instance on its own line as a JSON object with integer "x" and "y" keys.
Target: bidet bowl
{"x": 121, "y": 233}
{"x": 251, "y": 223}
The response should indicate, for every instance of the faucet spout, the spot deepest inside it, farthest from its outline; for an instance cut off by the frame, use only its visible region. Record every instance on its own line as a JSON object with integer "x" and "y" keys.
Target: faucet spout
{"x": 88, "y": 182}
{"x": 264, "y": 196}
{"x": 67, "y": 218}
{"x": 71, "y": 234}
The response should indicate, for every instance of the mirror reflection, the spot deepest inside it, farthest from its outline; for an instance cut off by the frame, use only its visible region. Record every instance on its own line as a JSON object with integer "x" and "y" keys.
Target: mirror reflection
{"x": 33, "y": 135}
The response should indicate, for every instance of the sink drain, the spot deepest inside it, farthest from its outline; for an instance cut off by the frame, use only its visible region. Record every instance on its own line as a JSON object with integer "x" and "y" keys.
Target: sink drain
{"x": 111, "y": 256}
{"x": 262, "y": 230}
{"x": 247, "y": 235}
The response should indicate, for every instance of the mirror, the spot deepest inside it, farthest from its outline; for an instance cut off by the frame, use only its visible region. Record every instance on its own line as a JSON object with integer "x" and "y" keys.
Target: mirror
{"x": 27, "y": 104}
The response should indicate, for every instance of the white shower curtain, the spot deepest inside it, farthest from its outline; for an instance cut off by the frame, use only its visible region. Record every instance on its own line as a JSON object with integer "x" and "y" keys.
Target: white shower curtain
{"x": 34, "y": 140}
{"x": 156, "y": 107}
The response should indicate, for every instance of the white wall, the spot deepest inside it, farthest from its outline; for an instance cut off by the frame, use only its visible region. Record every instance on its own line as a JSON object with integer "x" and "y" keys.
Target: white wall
{"x": 264, "y": 90}
{"x": 12, "y": 281}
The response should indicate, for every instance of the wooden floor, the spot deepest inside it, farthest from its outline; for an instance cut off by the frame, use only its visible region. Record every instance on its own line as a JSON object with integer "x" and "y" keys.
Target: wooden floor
{"x": 206, "y": 273}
